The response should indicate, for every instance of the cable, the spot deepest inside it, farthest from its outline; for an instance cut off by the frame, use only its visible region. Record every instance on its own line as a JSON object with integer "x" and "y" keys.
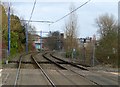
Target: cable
{"x": 38, "y": 21}
{"x": 72, "y": 11}
{"x": 32, "y": 11}
{"x": 26, "y": 33}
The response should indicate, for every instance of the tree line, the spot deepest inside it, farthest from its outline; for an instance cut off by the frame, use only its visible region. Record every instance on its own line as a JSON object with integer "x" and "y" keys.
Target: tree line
{"x": 106, "y": 47}
{"x": 17, "y": 32}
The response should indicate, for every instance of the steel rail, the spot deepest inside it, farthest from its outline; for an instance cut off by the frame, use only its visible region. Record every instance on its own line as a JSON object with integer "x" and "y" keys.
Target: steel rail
{"x": 53, "y": 62}
{"x": 19, "y": 66}
{"x": 80, "y": 67}
{"x": 72, "y": 70}
{"x": 77, "y": 72}
{"x": 18, "y": 71}
{"x": 47, "y": 77}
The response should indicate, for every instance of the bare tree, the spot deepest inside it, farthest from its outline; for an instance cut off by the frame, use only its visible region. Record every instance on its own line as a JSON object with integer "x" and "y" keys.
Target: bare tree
{"x": 108, "y": 46}
{"x": 53, "y": 40}
{"x": 106, "y": 24}
{"x": 71, "y": 27}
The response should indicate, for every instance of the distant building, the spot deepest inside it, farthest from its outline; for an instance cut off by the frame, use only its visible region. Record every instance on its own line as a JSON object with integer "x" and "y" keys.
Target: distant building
{"x": 84, "y": 41}
{"x": 39, "y": 42}
{"x": 61, "y": 44}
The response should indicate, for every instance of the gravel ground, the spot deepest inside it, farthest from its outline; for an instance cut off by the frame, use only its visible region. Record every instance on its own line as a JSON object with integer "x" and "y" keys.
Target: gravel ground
{"x": 39, "y": 58}
{"x": 14, "y": 65}
{"x": 11, "y": 65}
{"x": 104, "y": 68}
{"x": 49, "y": 66}
{"x": 27, "y": 58}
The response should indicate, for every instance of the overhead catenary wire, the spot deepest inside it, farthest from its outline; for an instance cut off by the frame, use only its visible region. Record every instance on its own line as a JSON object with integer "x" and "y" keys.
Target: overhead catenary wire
{"x": 32, "y": 11}
{"x": 71, "y": 12}
{"x": 26, "y": 33}
{"x": 38, "y": 21}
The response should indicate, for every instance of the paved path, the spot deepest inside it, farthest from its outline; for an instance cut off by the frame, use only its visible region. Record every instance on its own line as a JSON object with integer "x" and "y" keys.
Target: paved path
{"x": 59, "y": 77}
{"x": 35, "y": 77}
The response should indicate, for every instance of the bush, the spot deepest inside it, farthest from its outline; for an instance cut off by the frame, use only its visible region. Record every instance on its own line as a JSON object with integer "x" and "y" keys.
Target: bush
{"x": 68, "y": 54}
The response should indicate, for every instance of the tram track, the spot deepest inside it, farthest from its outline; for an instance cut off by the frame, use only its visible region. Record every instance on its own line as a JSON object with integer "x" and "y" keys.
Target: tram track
{"x": 57, "y": 64}
{"x": 18, "y": 70}
{"x": 61, "y": 70}
{"x": 45, "y": 74}
{"x": 57, "y": 70}
{"x": 55, "y": 59}
{"x": 19, "y": 65}
{"x": 70, "y": 63}
{"x": 35, "y": 64}
{"x": 82, "y": 69}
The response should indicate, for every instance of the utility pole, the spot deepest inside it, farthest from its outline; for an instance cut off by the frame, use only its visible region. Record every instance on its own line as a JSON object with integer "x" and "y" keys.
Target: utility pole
{"x": 93, "y": 54}
{"x": 84, "y": 53}
{"x": 84, "y": 50}
{"x": 9, "y": 30}
{"x": 26, "y": 35}
{"x": 26, "y": 32}
{"x": 41, "y": 39}
{"x": 83, "y": 41}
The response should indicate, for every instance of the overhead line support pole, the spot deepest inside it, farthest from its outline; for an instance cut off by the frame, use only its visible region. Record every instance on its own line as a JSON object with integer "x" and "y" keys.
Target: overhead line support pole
{"x": 26, "y": 35}
{"x": 9, "y": 31}
{"x": 41, "y": 39}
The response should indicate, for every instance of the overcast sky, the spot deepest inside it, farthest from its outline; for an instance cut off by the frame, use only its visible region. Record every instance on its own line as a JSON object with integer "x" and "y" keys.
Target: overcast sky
{"x": 51, "y": 10}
